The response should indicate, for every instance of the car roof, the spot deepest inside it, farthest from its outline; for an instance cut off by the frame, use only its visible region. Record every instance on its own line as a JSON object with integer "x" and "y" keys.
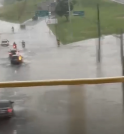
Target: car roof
{"x": 15, "y": 55}
{"x": 13, "y": 50}
{"x": 5, "y": 40}
{"x": 4, "y": 101}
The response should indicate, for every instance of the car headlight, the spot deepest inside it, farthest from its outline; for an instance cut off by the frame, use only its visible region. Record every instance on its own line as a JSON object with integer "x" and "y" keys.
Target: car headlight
{"x": 20, "y": 58}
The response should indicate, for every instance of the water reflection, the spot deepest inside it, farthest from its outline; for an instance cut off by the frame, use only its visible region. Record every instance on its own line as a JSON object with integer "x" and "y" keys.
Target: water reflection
{"x": 95, "y": 109}
{"x": 77, "y": 110}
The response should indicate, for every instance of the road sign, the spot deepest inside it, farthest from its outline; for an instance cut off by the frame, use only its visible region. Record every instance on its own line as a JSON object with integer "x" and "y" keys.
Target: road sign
{"x": 78, "y": 13}
{"x": 53, "y": 4}
{"x": 42, "y": 13}
{"x": 51, "y": 21}
{"x": 49, "y": 13}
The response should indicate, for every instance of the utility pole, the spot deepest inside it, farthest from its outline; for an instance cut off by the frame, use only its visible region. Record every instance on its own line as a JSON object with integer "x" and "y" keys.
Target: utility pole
{"x": 122, "y": 60}
{"x": 99, "y": 35}
{"x": 56, "y": 29}
{"x": 69, "y": 10}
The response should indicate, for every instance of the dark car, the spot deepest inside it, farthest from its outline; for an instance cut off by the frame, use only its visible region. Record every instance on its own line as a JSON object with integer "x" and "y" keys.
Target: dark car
{"x": 6, "y": 108}
{"x": 16, "y": 59}
{"x": 12, "y": 52}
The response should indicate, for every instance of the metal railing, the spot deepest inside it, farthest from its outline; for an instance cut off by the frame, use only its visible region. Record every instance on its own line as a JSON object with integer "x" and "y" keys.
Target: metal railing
{"x": 57, "y": 82}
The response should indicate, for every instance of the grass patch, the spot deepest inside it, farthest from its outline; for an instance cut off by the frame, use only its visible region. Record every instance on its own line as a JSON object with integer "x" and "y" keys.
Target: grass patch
{"x": 6, "y": 2}
{"x": 111, "y": 17}
{"x": 19, "y": 11}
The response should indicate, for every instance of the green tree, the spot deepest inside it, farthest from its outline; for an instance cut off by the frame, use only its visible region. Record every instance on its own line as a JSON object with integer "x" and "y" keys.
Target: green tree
{"x": 62, "y": 8}
{"x": 74, "y": 2}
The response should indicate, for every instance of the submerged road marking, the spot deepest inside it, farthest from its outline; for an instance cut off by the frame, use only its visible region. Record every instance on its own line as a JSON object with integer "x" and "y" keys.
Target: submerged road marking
{"x": 15, "y": 132}
{"x": 15, "y": 93}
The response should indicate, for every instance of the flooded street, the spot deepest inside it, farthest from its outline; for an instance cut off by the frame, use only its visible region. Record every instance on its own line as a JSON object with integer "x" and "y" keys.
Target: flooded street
{"x": 82, "y": 109}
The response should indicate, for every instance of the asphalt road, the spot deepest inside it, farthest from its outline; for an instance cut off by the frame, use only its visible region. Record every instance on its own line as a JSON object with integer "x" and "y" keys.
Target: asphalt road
{"x": 96, "y": 109}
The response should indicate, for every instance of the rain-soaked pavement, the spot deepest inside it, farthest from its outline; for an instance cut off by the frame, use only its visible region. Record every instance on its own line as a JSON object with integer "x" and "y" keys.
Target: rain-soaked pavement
{"x": 83, "y": 109}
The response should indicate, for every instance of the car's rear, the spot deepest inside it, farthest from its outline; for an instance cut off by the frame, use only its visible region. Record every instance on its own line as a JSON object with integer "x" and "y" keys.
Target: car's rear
{"x": 12, "y": 52}
{"x": 16, "y": 59}
{"x": 6, "y": 109}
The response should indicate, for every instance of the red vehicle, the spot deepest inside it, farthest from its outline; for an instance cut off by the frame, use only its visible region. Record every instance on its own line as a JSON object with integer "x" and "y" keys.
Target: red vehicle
{"x": 14, "y": 45}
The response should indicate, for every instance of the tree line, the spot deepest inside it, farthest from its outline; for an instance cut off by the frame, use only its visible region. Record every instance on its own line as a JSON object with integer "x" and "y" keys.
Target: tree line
{"x": 62, "y": 8}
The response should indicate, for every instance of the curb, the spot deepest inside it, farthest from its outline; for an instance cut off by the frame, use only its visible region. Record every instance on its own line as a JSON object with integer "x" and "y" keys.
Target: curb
{"x": 117, "y": 1}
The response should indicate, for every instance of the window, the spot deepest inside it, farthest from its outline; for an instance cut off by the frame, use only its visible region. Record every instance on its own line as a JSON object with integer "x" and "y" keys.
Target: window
{"x": 13, "y": 52}
{"x": 15, "y": 57}
{"x": 4, "y": 41}
{"x": 4, "y": 104}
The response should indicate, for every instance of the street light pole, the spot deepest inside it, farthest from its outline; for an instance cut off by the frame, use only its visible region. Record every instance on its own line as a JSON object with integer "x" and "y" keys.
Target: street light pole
{"x": 69, "y": 9}
{"x": 70, "y": 16}
{"x": 99, "y": 35}
{"x": 122, "y": 60}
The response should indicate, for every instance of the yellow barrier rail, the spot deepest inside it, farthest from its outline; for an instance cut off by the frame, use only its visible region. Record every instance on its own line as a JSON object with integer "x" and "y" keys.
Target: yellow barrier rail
{"x": 62, "y": 82}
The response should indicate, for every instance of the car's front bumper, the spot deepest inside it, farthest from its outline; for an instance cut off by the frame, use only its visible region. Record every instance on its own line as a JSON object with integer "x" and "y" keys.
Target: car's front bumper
{"x": 16, "y": 62}
{"x": 6, "y": 115}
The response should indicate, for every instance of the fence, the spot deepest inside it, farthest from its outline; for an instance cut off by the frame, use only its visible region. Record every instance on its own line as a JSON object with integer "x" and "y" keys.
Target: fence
{"x": 62, "y": 82}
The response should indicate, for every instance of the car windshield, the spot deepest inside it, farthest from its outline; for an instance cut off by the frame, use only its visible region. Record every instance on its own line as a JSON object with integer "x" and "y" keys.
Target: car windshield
{"x": 13, "y": 51}
{"x": 15, "y": 57}
{"x": 4, "y": 41}
{"x": 4, "y": 104}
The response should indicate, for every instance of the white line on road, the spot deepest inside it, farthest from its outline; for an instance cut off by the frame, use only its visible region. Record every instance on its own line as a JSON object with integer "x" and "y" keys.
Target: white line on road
{"x": 15, "y": 93}
{"x": 15, "y": 71}
{"x": 15, "y": 132}
{"x": 19, "y": 100}
{"x": 63, "y": 101}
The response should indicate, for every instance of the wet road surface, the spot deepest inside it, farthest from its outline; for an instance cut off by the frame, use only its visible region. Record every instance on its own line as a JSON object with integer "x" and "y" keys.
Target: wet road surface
{"x": 79, "y": 109}
{"x": 119, "y": 1}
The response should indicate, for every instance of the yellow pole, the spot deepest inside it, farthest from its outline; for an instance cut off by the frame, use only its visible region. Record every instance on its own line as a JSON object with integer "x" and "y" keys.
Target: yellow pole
{"x": 62, "y": 82}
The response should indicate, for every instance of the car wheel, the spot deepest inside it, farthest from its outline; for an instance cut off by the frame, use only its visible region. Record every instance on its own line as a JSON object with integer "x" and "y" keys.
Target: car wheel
{"x": 8, "y": 117}
{"x": 13, "y": 114}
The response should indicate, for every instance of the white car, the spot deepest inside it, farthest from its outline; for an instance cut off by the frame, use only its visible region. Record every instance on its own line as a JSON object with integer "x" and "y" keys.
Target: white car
{"x": 5, "y": 43}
